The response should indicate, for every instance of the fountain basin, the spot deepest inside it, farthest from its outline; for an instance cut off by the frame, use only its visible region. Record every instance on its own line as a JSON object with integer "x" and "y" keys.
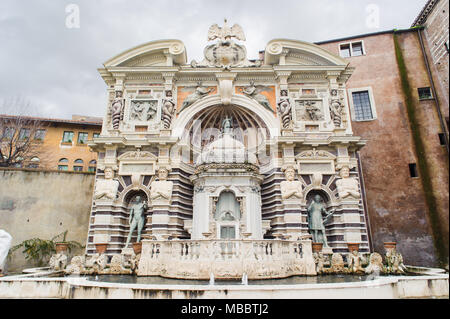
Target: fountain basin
{"x": 390, "y": 287}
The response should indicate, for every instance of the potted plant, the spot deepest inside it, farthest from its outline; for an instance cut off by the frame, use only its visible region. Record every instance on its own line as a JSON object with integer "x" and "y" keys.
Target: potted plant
{"x": 353, "y": 246}
{"x": 317, "y": 247}
{"x": 137, "y": 248}
{"x": 390, "y": 245}
{"x": 101, "y": 247}
{"x": 40, "y": 250}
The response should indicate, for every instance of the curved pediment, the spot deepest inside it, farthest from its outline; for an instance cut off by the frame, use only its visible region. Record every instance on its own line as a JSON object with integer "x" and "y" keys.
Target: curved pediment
{"x": 295, "y": 52}
{"x": 155, "y": 53}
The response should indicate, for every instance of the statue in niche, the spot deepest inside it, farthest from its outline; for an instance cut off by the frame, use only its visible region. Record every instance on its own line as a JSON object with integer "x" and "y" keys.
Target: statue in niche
{"x": 107, "y": 188}
{"x": 284, "y": 108}
{"x": 254, "y": 91}
{"x": 290, "y": 187}
{"x": 161, "y": 189}
{"x": 336, "y": 108}
{"x": 316, "y": 222}
{"x": 227, "y": 125}
{"x": 347, "y": 186}
{"x": 200, "y": 91}
{"x": 168, "y": 110}
{"x": 137, "y": 218}
{"x": 117, "y": 110}
{"x": 137, "y": 110}
{"x": 314, "y": 113}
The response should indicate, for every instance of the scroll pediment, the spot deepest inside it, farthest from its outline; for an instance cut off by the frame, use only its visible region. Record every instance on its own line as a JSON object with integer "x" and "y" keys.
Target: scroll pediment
{"x": 137, "y": 156}
{"x": 315, "y": 155}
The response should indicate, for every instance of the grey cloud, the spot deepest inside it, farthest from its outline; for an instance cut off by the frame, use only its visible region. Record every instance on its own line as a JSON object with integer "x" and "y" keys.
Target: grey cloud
{"x": 55, "y": 67}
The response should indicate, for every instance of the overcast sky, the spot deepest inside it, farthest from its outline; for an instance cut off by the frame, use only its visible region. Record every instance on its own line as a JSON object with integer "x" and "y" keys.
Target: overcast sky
{"x": 55, "y": 67}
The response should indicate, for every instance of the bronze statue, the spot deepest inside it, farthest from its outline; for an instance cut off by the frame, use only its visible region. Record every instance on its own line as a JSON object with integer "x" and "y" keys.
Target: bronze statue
{"x": 137, "y": 218}
{"x": 315, "y": 220}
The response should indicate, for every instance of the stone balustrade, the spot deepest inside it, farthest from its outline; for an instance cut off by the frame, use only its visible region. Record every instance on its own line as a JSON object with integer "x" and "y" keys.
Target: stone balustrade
{"x": 230, "y": 259}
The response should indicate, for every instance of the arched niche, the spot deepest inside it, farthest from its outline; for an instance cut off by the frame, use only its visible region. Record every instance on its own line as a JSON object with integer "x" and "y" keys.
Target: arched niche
{"x": 323, "y": 194}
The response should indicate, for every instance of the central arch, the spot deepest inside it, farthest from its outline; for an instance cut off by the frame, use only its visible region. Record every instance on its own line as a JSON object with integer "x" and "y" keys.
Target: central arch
{"x": 252, "y": 112}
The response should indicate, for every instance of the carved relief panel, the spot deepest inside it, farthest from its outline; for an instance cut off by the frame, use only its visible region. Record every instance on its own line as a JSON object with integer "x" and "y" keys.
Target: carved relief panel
{"x": 143, "y": 110}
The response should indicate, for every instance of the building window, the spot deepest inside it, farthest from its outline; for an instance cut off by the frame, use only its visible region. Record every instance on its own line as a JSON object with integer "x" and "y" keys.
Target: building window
{"x": 92, "y": 166}
{"x": 78, "y": 168}
{"x": 82, "y": 138}
{"x": 362, "y": 106}
{"x": 424, "y": 93}
{"x": 63, "y": 167}
{"x": 95, "y": 135}
{"x": 34, "y": 162}
{"x": 347, "y": 50}
{"x": 91, "y": 169}
{"x": 78, "y": 161}
{"x": 24, "y": 134}
{"x": 413, "y": 170}
{"x": 39, "y": 135}
{"x": 442, "y": 139}
{"x": 63, "y": 160}
{"x": 9, "y": 133}
{"x": 67, "y": 137}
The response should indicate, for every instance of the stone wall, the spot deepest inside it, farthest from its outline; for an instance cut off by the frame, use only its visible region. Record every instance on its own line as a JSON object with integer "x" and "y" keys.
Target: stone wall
{"x": 398, "y": 204}
{"x": 43, "y": 204}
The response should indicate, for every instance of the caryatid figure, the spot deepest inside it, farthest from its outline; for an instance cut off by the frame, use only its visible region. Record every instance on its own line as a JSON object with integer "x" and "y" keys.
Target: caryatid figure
{"x": 137, "y": 218}
{"x": 316, "y": 211}
{"x": 117, "y": 110}
{"x": 107, "y": 188}
{"x": 161, "y": 189}
{"x": 284, "y": 108}
{"x": 347, "y": 186}
{"x": 290, "y": 187}
{"x": 168, "y": 110}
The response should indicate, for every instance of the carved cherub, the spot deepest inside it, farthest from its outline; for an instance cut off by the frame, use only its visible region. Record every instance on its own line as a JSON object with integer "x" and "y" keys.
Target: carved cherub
{"x": 254, "y": 91}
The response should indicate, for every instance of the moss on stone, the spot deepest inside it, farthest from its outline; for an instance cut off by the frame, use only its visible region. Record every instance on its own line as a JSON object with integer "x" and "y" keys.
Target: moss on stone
{"x": 422, "y": 162}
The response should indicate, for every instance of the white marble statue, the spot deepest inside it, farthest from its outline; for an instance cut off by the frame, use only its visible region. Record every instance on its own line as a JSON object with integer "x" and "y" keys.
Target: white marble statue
{"x": 347, "y": 186}
{"x": 5, "y": 245}
{"x": 168, "y": 110}
{"x": 291, "y": 188}
{"x": 284, "y": 108}
{"x": 117, "y": 109}
{"x": 161, "y": 189}
{"x": 58, "y": 261}
{"x": 107, "y": 188}
{"x": 355, "y": 262}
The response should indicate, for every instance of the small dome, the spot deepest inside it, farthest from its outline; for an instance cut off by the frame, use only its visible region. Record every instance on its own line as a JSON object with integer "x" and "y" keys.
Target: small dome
{"x": 226, "y": 150}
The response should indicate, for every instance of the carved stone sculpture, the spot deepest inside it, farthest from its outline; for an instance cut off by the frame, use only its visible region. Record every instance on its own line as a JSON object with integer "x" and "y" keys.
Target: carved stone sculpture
{"x": 285, "y": 109}
{"x": 313, "y": 112}
{"x": 394, "y": 262}
{"x": 375, "y": 264}
{"x": 76, "y": 266}
{"x": 253, "y": 91}
{"x": 347, "y": 186}
{"x": 107, "y": 188}
{"x": 137, "y": 218}
{"x": 161, "y": 189}
{"x": 291, "y": 188}
{"x": 58, "y": 262}
{"x": 225, "y": 53}
{"x": 199, "y": 92}
{"x": 137, "y": 111}
{"x": 355, "y": 262}
{"x": 319, "y": 260}
{"x": 96, "y": 264}
{"x": 117, "y": 266}
{"x": 336, "y": 108}
{"x": 315, "y": 220}
{"x": 168, "y": 110}
{"x": 337, "y": 263}
{"x": 117, "y": 110}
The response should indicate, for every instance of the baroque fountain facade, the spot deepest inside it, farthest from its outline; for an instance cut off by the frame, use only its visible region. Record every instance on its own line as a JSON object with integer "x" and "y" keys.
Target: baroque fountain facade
{"x": 226, "y": 167}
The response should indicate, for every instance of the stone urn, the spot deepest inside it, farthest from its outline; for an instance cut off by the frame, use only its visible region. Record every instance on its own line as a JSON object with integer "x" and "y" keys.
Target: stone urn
{"x": 353, "y": 246}
{"x": 101, "y": 248}
{"x": 61, "y": 247}
{"x": 390, "y": 245}
{"x": 137, "y": 248}
{"x": 317, "y": 247}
